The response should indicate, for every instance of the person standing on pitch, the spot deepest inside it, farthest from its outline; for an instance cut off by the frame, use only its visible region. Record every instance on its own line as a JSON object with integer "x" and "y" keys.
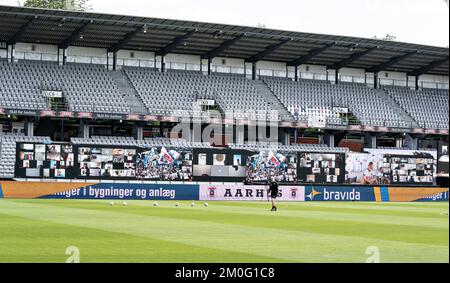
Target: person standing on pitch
{"x": 273, "y": 191}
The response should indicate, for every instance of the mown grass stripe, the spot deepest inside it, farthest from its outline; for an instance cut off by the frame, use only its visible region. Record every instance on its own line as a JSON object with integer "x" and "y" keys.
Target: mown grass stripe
{"x": 278, "y": 243}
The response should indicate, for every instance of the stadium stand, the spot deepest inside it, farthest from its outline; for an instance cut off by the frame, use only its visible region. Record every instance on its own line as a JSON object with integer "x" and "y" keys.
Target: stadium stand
{"x": 322, "y": 148}
{"x": 249, "y": 71}
{"x": 148, "y": 142}
{"x": 165, "y": 93}
{"x": 88, "y": 88}
{"x": 428, "y": 107}
{"x": 81, "y": 82}
{"x": 19, "y": 89}
{"x": 8, "y": 151}
{"x": 366, "y": 104}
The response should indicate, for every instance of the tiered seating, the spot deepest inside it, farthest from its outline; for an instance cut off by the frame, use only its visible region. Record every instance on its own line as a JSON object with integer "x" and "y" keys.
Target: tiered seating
{"x": 106, "y": 140}
{"x": 365, "y": 103}
{"x": 131, "y": 142}
{"x": 292, "y": 148}
{"x": 86, "y": 87}
{"x": 8, "y": 152}
{"x": 163, "y": 93}
{"x": 428, "y": 107}
{"x": 181, "y": 143}
{"x": 237, "y": 94}
{"x": 18, "y": 89}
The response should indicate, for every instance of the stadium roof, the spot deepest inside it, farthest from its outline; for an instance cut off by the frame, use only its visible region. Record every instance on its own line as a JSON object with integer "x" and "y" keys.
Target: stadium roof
{"x": 115, "y": 32}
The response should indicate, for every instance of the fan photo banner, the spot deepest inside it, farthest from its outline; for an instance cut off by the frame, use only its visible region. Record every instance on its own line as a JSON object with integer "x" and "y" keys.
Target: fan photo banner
{"x": 164, "y": 164}
{"x": 380, "y": 167}
{"x": 265, "y": 166}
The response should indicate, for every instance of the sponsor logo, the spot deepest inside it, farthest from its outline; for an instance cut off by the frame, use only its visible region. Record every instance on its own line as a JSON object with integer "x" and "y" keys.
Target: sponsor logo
{"x": 66, "y": 114}
{"x": 313, "y": 194}
{"x": 151, "y": 118}
{"x": 437, "y": 197}
{"x": 48, "y": 113}
{"x": 85, "y": 115}
{"x": 249, "y": 193}
{"x": 212, "y": 192}
{"x": 133, "y": 117}
{"x": 128, "y": 192}
{"x": 340, "y": 194}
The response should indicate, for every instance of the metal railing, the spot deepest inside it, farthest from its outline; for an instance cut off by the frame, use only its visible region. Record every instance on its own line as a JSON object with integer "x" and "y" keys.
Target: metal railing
{"x": 34, "y": 56}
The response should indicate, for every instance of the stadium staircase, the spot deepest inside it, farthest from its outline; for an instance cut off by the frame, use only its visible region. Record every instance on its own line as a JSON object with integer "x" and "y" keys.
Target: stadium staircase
{"x": 273, "y": 101}
{"x": 391, "y": 103}
{"x": 129, "y": 93}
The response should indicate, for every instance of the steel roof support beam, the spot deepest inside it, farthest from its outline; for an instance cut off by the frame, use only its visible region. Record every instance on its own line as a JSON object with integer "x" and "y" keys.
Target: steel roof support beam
{"x": 390, "y": 63}
{"x": 224, "y": 46}
{"x": 175, "y": 43}
{"x": 354, "y": 57}
{"x": 125, "y": 40}
{"x": 313, "y": 53}
{"x": 74, "y": 36}
{"x": 428, "y": 68}
{"x": 266, "y": 52}
{"x": 22, "y": 30}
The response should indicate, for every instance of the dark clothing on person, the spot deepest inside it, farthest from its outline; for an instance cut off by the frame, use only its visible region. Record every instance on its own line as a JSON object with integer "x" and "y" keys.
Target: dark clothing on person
{"x": 273, "y": 190}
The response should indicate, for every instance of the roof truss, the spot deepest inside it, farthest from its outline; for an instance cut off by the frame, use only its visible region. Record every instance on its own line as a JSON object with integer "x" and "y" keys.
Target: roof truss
{"x": 429, "y": 67}
{"x": 354, "y": 57}
{"x": 310, "y": 55}
{"x": 175, "y": 43}
{"x": 390, "y": 63}
{"x": 75, "y": 35}
{"x": 269, "y": 50}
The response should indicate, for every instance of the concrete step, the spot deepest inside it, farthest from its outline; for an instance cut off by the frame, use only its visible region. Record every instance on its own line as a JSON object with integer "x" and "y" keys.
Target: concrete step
{"x": 397, "y": 108}
{"x": 129, "y": 93}
{"x": 273, "y": 101}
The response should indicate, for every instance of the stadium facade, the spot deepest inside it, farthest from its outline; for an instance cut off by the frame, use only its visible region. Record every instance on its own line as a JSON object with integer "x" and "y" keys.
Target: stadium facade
{"x": 131, "y": 100}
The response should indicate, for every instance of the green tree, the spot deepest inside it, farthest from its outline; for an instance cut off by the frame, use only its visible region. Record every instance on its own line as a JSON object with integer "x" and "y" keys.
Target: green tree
{"x": 72, "y": 5}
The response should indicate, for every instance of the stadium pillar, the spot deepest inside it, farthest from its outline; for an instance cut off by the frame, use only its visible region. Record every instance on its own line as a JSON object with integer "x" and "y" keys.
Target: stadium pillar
{"x": 296, "y": 73}
{"x": 10, "y": 53}
{"x": 296, "y": 136}
{"x": 114, "y": 64}
{"x": 370, "y": 140}
{"x": 375, "y": 80}
{"x": 29, "y": 127}
{"x": 336, "y": 76}
{"x": 209, "y": 66}
{"x": 240, "y": 134}
{"x": 138, "y": 131}
{"x": 163, "y": 64}
{"x": 84, "y": 129}
{"x": 287, "y": 137}
{"x": 254, "y": 71}
{"x": 62, "y": 130}
{"x": 60, "y": 56}
{"x": 417, "y": 87}
{"x": 329, "y": 138}
{"x": 412, "y": 142}
{"x": 64, "y": 61}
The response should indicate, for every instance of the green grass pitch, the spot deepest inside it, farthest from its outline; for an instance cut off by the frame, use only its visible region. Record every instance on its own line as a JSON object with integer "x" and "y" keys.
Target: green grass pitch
{"x": 42, "y": 230}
